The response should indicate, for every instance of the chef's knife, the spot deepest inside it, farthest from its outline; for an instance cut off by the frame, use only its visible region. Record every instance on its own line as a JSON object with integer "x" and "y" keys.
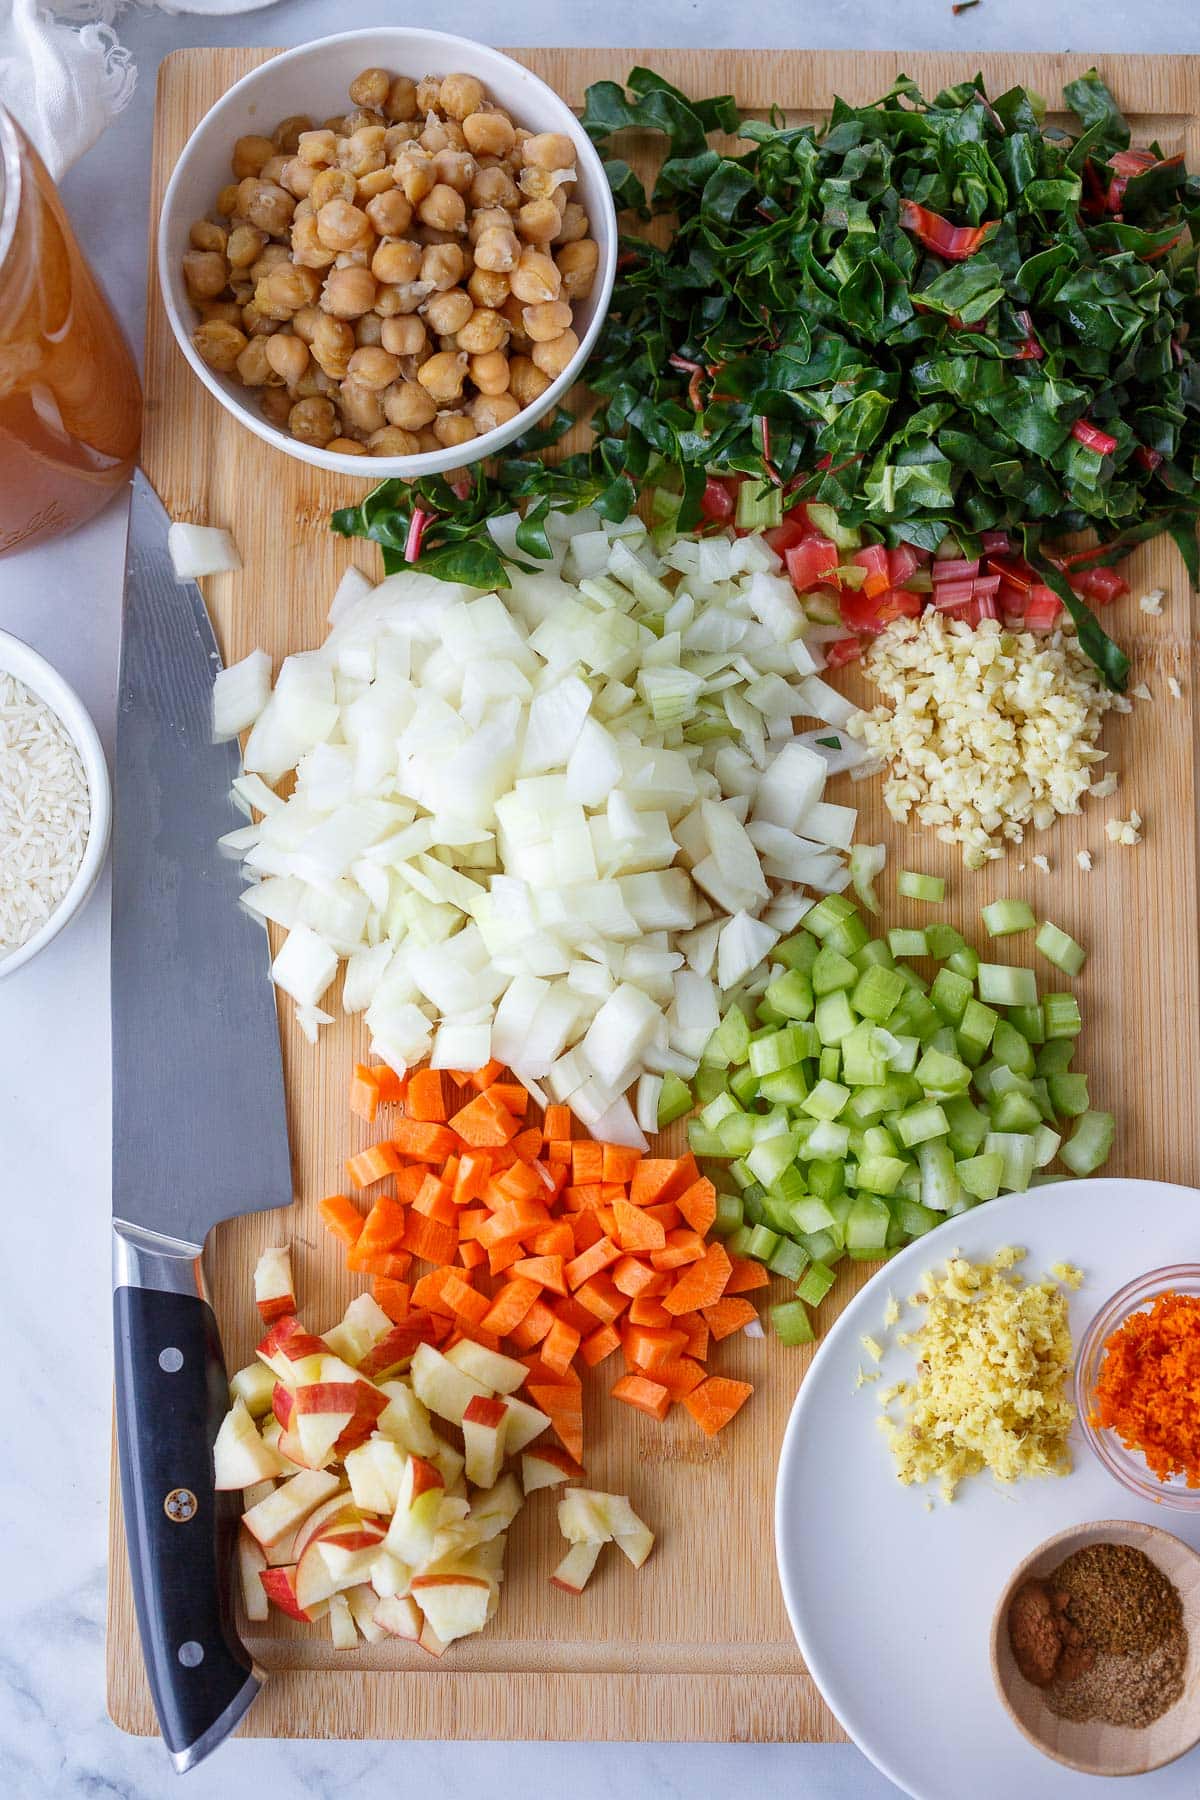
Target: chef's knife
{"x": 199, "y": 1133}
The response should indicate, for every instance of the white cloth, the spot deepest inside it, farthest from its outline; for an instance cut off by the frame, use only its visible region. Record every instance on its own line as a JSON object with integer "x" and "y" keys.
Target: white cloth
{"x": 63, "y": 74}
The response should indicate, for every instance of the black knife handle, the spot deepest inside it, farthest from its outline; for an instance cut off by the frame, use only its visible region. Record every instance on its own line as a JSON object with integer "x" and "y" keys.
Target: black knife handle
{"x": 171, "y": 1395}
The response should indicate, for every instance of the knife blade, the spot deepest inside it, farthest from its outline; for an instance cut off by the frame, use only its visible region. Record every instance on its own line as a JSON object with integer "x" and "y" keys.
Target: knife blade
{"x": 199, "y": 1132}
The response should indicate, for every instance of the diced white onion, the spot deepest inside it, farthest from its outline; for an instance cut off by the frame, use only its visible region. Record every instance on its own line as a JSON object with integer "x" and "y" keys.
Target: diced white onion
{"x": 197, "y": 550}
{"x": 239, "y": 694}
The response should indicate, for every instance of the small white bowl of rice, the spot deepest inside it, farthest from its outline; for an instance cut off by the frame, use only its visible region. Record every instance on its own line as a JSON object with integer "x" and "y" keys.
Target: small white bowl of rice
{"x": 55, "y": 804}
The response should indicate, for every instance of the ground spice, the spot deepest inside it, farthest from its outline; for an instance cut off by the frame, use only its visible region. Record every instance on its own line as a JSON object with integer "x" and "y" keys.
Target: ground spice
{"x": 1148, "y": 1382}
{"x": 1103, "y": 1637}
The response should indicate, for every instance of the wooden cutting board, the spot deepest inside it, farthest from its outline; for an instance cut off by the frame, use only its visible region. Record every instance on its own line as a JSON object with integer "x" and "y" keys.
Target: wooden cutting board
{"x": 696, "y": 1645}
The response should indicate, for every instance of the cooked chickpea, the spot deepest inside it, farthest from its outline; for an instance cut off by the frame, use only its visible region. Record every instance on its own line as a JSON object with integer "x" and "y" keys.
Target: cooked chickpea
{"x": 313, "y": 421}
{"x": 542, "y": 184}
{"x": 401, "y": 102}
{"x": 359, "y": 119}
{"x": 265, "y": 205}
{"x": 332, "y": 344}
{"x": 206, "y": 273}
{"x": 204, "y": 235}
{"x": 287, "y": 356}
{"x": 485, "y": 219}
{"x": 273, "y": 170}
{"x": 414, "y": 174}
{"x": 427, "y": 441}
{"x": 488, "y": 288}
{"x": 227, "y": 200}
{"x": 399, "y": 137}
{"x": 538, "y": 221}
{"x": 307, "y": 248}
{"x": 272, "y": 255}
{"x": 489, "y": 371}
{"x": 371, "y": 87}
{"x": 224, "y": 312}
{"x": 306, "y": 322}
{"x": 297, "y": 177}
{"x": 408, "y": 406}
{"x": 286, "y": 289}
{"x": 389, "y": 440}
{"x": 256, "y": 323}
{"x": 368, "y": 331}
{"x": 367, "y": 187}
{"x": 461, "y": 95}
{"x": 252, "y": 366}
{"x": 332, "y": 184}
{"x": 314, "y": 383}
{"x": 346, "y": 447}
{"x": 536, "y": 277}
{"x": 361, "y": 408}
{"x": 450, "y": 428}
{"x": 488, "y": 133}
{"x": 404, "y": 336}
{"x": 548, "y": 150}
{"x": 390, "y": 213}
{"x": 485, "y": 330}
{"x": 250, "y": 154}
{"x": 447, "y": 313}
{"x": 316, "y": 148}
{"x": 348, "y": 293}
{"x": 552, "y": 357}
{"x": 498, "y": 250}
{"x": 578, "y": 263}
{"x": 444, "y": 208}
{"x": 547, "y": 321}
{"x": 397, "y": 262}
{"x": 514, "y": 311}
{"x": 526, "y": 382}
{"x": 490, "y": 410}
{"x": 341, "y": 226}
{"x": 275, "y": 404}
{"x": 220, "y": 345}
{"x": 443, "y": 375}
{"x": 494, "y": 187}
{"x": 456, "y": 169}
{"x": 429, "y": 93}
{"x": 245, "y": 246}
{"x": 389, "y": 301}
{"x": 364, "y": 151}
{"x": 287, "y": 134}
{"x": 442, "y": 265}
{"x": 373, "y": 368}
{"x": 435, "y": 135}
{"x": 573, "y": 224}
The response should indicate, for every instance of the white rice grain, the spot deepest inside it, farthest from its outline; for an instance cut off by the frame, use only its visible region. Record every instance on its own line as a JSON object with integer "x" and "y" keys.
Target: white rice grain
{"x": 44, "y": 813}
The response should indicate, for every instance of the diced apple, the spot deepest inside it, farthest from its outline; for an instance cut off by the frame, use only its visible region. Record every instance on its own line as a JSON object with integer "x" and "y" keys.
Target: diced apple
{"x": 406, "y": 1420}
{"x": 274, "y": 1289}
{"x": 284, "y": 1552}
{"x": 583, "y": 1517}
{"x": 313, "y": 1580}
{"x": 323, "y": 1410}
{"x": 272, "y": 1434}
{"x": 415, "y": 1521}
{"x": 503, "y": 1374}
{"x": 240, "y": 1457}
{"x": 375, "y": 1471}
{"x": 483, "y": 1561}
{"x": 400, "y": 1616}
{"x": 399, "y": 1346}
{"x": 574, "y": 1571}
{"x": 525, "y": 1423}
{"x": 636, "y": 1545}
{"x": 498, "y": 1506}
{"x": 348, "y": 1558}
{"x": 319, "y": 1368}
{"x": 291, "y": 1502}
{"x": 283, "y": 1404}
{"x": 342, "y": 1628}
{"x": 441, "y": 1386}
{"x": 252, "y": 1563}
{"x": 548, "y": 1467}
{"x": 280, "y": 1586}
{"x": 364, "y": 1314}
{"x": 345, "y": 1345}
{"x": 430, "y": 1641}
{"x": 258, "y": 1490}
{"x": 454, "y": 1605}
{"x": 484, "y": 1423}
{"x": 390, "y": 1576}
{"x": 338, "y": 1510}
{"x": 451, "y": 1462}
{"x": 252, "y": 1386}
{"x": 362, "y": 1601}
{"x": 286, "y": 1344}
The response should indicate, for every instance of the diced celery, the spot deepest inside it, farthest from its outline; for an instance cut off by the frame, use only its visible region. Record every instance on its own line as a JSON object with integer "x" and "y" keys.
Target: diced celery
{"x": 826, "y": 1101}
{"x": 1013, "y": 1049}
{"x": 1045, "y": 1146}
{"x": 778, "y": 1050}
{"x": 759, "y": 506}
{"x": 1088, "y": 1146}
{"x": 1000, "y": 985}
{"x": 881, "y": 1174}
{"x": 738, "y": 1242}
{"x": 941, "y": 1074}
{"x": 798, "y": 952}
{"x": 766, "y": 1014}
{"x": 752, "y": 1204}
{"x": 907, "y": 943}
{"x": 1062, "y": 1015}
{"x": 771, "y": 1156}
{"x": 832, "y": 971}
{"x": 790, "y": 1260}
{"x": 1055, "y": 1056}
{"x": 789, "y": 1187}
{"x": 791, "y": 1323}
{"x": 848, "y": 936}
{"x": 1060, "y": 949}
{"x": 902, "y": 1053}
{"x": 839, "y": 1205}
{"x": 829, "y": 1139}
{"x": 964, "y": 962}
{"x": 730, "y": 1042}
{"x": 1030, "y": 1021}
{"x": 863, "y": 1063}
{"x": 729, "y": 1215}
{"x": 719, "y": 1107}
{"x": 916, "y": 1219}
{"x": 1017, "y": 1150}
{"x": 1004, "y": 917}
{"x": 867, "y": 1224}
{"x": 777, "y": 1215}
{"x": 674, "y": 1100}
{"x": 703, "y": 1142}
{"x": 820, "y": 919}
{"x": 921, "y": 1122}
{"x": 815, "y": 1283}
{"x": 792, "y": 994}
{"x": 825, "y": 1246}
{"x": 911, "y": 886}
{"x": 1069, "y": 1094}
{"x": 968, "y": 1126}
{"x": 743, "y": 1085}
{"x": 763, "y": 1243}
{"x": 977, "y": 1024}
{"x": 981, "y": 1175}
{"x": 878, "y": 1142}
{"x": 736, "y": 1133}
{"x": 811, "y": 1215}
{"x": 877, "y": 993}
{"x": 875, "y": 951}
{"x": 1015, "y": 1112}
{"x": 1040, "y": 1096}
{"x": 786, "y": 1088}
{"x": 949, "y": 995}
{"x": 943, "y": 940}
{"x": 915, "y": 1014}
{"x": 829, "y": 1064}
{"x": 911, "y": 979}
{"x": 741, "y": 1174}
{"x": 834, "y": 1019}
{"x": 940, "y": 1186}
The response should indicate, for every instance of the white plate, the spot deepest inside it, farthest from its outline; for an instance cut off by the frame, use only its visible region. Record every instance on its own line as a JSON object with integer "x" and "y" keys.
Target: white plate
{"x": 891, "y": 1604}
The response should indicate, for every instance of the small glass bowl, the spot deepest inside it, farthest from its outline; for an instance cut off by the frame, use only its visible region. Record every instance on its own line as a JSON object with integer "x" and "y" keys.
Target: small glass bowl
{"x": 1129, "y": 1466}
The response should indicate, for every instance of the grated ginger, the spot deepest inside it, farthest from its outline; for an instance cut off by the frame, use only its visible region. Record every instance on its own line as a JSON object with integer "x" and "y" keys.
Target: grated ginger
{"x": 985, "y": 731}
{"x": 994, "y": 1359}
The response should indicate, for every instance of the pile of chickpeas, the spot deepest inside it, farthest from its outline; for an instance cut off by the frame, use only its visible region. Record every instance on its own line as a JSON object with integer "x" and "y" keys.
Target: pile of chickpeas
{"x": 397, "y": 280}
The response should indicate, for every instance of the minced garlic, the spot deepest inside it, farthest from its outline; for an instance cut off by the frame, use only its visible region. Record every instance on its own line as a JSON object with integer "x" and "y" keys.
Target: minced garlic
{"x": 1125, "y": 831}
{"x": 1084, "y": 859}
{"x": 986, "y": 731}
{"x": 994, "y": 1360}
{"x": 1152, "y": 602}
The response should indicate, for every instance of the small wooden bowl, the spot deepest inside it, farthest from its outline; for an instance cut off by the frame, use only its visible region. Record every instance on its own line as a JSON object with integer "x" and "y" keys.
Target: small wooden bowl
{"x": 1094, "y": 1748}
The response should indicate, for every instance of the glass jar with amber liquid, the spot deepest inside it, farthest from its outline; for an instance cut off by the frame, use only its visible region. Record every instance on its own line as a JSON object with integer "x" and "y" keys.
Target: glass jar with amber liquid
{"x": 70, "y": 403}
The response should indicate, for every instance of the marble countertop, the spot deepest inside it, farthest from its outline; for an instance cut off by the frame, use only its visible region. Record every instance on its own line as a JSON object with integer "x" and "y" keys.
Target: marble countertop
{"x": 55, "y": 1739}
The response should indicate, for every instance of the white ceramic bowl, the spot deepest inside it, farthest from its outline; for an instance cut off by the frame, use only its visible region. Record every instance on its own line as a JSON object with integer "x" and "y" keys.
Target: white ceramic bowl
{"x": 314, "y": 80}
{"x": 16, "y": 658}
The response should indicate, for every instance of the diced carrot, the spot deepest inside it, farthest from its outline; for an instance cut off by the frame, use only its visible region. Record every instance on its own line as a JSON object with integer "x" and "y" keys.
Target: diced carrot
{"x": 659, "y": 1179}
{"x": 697, "y": 1334}
{"x": 511, "y": 1305}
{"x": 477, "y": 1335}
{"x": 682, "y": 1246}
{"x": 606, "y": 1218}
{"x": 511, "y": 1095}
{"x": 555, "y": 1240}
{"x": 599, "y": 1344}
{"x": 393, "y": 1263}
{"x": 520, "y": 1183}
{"x": 559, "y": 1347}
{"x": 410, "y": 1181}
{"x": 702, "y": 1284}
{"x": 364, "y": 1093}
{"x": 679, "y": 1377}
{"x": 557, "y": 1124}
{"x": 667, "y": 1214}
{"x": 587, "y": 1162}
{"x": 436, "y": 1202}
{"x": 646, "y": 1347}
{"x": 564, "y": 1407}
{"x": 590, "y": 1262}
{"x": 483, "y": 1078}
{"x": 698, "y": 1204}
{"x": 484, "y": 1122}
{"x": 647, "y": 1309}
{"x": 460, "y": 1077}
{"x": 746, "y": 1275}
{"x": 648, "y": 1396}
{"x": 423, "y": 1141}
{"x": 635, "y": 1229}
{"x": 470, "y": 1221}
{"x": 631, "y": 1276}
{"x": 391, "y": 1086}
{"x": 383, "y": 1228}
{"x": 392, "y": 1296}
{"x": 513, "y": 1221}
{"x": 583, "y": 1196}
{"x": 728, "y": 1316}
{"x": 503, "y": 1256}
{"x": 537, "y": 1324}
{"x": 463, "y": 1301}
{"x": 586, "y": 1230}
{"x": 528, "y": 1144}
{"x": 547, "y": 1271}
{"x": 538, "y": 1372}
{"x": 620, "y": 1163}
{"x": 426, "y": 1238}
{"x": 430, "y": 1292}
{"x": 474, "y": 1173}
{"x": 572, "y": 1314}
{"x": 342, "y": 1217}
{"x": 601, "y": 1298}
{"x": 661, "y": 1282}
{"x": 425, "y": 1099}
{"x": 375, "y": 1163}
{"x": 471, "y": 1254}
{"x": 715, "y": 1401}
{"x": 558, "y": 1150}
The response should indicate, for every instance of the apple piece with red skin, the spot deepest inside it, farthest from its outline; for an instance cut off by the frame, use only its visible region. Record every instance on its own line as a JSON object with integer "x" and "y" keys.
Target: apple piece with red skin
{"x": 342, "y": 1549}
{"x": 287, "y": 1343}
{"x": 322, "y": 1412}
{"x": 393, "y": 1351}
{"x": 280, "y": 1586}
{"x": 636, "y": 1544}
{"x": 400, "y": 1616}
{"x": 418, "y": 1506}
{"x": 240, "y": 1457}
{"x": 574, "y": 1571}
{"x": 369, "y": 1406}
{"x": 316, "y": 1580}
{"x": 338, "y": 1509}
{"x": 284, "y": 1552}
{"x": 289, "y": 1504}
{"x": 273, "y": 1434}
{"x": 443, "y": 1387}
{"x": 363, "y": 1323}
{"x": 252, "y": 1563}
{"x": 314, "y": 1370}
{"x": 483, "y": 1427}
{"x": 273, "y": 1285}
{"x": 503, "y": 1374}
{"x": 548, "y": 1467}
{"x": 454, "y": 1605}
{"x": 283, "y": 1402}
